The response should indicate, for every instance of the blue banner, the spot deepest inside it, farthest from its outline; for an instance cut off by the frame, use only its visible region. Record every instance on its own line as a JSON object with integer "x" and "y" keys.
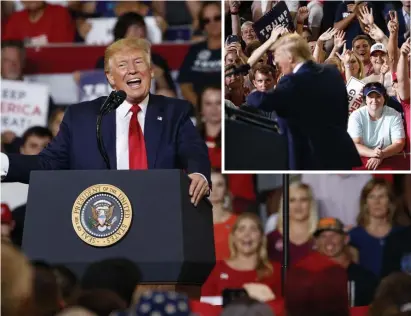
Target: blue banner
{"x": 93, "y": 84}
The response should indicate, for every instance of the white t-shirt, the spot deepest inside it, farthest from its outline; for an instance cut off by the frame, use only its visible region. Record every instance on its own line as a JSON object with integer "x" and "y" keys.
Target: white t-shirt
{"x": 389, "y": 127}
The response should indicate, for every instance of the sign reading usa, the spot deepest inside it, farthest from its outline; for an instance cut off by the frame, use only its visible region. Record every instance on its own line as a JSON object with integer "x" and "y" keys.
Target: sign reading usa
{"x": 23, "y": 105}
{"x": 279, "y": 15}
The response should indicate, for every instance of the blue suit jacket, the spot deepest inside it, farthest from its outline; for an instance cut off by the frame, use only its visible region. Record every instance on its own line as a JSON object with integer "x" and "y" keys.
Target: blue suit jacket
{"x": 171, "y": 143}
{"x": 314, "y": 102}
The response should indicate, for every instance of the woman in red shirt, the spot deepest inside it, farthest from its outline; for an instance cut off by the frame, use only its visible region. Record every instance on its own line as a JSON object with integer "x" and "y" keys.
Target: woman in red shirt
{"x": 223, "y": 218}
{"x": 209, "y": 123}
{"x": 248, "y": 262}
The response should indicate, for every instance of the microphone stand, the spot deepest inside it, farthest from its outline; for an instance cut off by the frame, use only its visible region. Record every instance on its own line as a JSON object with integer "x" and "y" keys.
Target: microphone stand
{"x": 100, "y": 144}
{"x": 112, "y": 102}
{"x": 286, "y": 230}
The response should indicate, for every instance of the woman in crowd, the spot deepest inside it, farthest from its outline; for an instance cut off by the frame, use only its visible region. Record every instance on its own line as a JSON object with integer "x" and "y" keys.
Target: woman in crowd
{"x": 353, "y": 66}
{"x": 209, "y": 122}
{"x": 202, "y": 64}
{"x": 248, "y": 262}
{"x": 223, "y": 218}
{"x": 375, "y": 223}
{"x": 377, "y": 130}
{"x": 337, "y": 63}
{"x": 209, "y": 125}
{"x": 303, "y": 223}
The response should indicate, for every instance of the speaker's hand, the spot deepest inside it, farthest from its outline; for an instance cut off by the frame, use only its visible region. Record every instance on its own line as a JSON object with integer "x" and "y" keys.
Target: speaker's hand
{"x": 198, "y": 188}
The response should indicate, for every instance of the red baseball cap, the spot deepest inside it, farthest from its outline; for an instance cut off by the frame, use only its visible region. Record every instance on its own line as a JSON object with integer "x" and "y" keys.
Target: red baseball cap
{"x": 6, "y": 217}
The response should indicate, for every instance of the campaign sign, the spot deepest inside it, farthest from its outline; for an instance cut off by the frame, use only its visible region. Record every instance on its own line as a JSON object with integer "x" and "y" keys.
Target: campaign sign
{"x": 354, "y": 90}
{"x": 23, "y": 105}
{"x": 92, "y": 85}
{"x": 279, "y": 15}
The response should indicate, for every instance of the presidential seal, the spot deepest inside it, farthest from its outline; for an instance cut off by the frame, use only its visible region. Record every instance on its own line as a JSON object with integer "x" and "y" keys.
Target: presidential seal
{"x": 102, "y": 215}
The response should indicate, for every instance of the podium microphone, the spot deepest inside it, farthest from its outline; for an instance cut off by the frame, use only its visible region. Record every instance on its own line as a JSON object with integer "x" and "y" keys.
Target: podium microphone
{"x": 112, "y": 102}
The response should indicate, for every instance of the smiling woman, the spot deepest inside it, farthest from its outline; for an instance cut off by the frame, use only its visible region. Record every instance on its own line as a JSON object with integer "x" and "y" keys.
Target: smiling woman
{"x": 248, "y": 262}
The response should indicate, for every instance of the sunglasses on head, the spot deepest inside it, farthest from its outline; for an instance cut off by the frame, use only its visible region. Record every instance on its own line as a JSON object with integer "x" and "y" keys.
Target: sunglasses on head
{"x": 216, "y": 18}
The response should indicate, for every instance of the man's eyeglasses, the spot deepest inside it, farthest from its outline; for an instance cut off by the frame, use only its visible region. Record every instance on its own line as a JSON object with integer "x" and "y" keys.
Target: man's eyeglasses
{"x": 216, "y": 18}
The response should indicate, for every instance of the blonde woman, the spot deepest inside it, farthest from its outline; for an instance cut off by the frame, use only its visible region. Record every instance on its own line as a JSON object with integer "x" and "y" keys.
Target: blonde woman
{"x": 336, "y": 62}
{"x": 353, "y": 66}
{"x": 375, "y": 223}
{"x": 223, "y": 217}
{"x": 303, "y": 223}
{"x": 248, "y": 262}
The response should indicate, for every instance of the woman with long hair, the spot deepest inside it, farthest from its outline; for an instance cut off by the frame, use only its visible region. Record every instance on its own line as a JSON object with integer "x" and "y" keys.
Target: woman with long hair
{"x": 303, "y": 223}
{"x": 209, "y": 122}
{"x": 375, "y": 223}
{"x": 223, "y": 217}
{"x": 248, "y": 262}
{"x": 353, "y": 66}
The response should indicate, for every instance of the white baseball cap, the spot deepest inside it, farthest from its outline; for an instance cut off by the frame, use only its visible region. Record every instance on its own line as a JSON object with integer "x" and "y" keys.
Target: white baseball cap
{"x": 378, "y": 47}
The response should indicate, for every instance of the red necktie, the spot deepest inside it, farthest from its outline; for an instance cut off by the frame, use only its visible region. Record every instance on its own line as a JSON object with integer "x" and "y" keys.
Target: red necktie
{"x": 136, "y": 145}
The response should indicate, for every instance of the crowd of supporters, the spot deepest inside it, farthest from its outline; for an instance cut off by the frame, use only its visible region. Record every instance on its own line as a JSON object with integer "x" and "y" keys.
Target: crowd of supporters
{"x": 348, "y": 240}
{"x": 367, "y": 41}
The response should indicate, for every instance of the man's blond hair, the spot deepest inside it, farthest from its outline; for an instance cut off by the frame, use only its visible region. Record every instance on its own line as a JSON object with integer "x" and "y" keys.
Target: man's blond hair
{"x": 295, "y": 45}
{"x": 127, "y": 43}
{"x": 16, "y": 281}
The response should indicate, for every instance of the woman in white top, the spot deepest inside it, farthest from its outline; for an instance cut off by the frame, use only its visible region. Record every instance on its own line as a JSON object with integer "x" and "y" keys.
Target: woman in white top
{"x": 376, "y": 129}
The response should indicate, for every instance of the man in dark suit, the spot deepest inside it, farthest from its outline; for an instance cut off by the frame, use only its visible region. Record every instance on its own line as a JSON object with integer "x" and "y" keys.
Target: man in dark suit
{"x": 145, "y": 132}
{"x": 313, "y": 99}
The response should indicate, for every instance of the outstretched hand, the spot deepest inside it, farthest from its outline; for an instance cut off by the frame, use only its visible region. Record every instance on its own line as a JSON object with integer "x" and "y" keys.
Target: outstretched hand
{"x": 327, "y": 35}
{"x": 276, "y": 32}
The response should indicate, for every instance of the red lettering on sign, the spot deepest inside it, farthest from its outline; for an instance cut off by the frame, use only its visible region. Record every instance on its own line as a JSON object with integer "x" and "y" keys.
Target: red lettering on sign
{"x": 26, "y": 109}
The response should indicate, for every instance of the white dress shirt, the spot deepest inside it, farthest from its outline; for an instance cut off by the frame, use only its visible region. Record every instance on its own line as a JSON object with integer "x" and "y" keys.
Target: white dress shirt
{"x": 297, "y": 67}
{"x": 123, "y": 117}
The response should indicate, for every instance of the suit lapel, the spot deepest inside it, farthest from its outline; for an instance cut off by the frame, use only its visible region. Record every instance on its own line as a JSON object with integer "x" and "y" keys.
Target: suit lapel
{"x": 153, "y": 127}
{"x": 109, "y": 137}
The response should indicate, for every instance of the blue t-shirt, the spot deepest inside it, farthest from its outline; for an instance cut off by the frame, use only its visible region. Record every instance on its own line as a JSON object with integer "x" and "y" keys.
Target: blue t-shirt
{"x": 370, "y": 248}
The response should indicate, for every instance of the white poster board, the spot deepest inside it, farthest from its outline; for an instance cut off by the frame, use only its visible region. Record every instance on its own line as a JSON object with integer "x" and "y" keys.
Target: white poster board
{"x": 101, "y": 32}
{"x": 23, "y": 105}
{"x": 354, "y": 90}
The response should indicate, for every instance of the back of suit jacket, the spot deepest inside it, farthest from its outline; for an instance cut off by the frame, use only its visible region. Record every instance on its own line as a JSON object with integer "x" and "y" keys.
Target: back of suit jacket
{"x": 314, "y": 102}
